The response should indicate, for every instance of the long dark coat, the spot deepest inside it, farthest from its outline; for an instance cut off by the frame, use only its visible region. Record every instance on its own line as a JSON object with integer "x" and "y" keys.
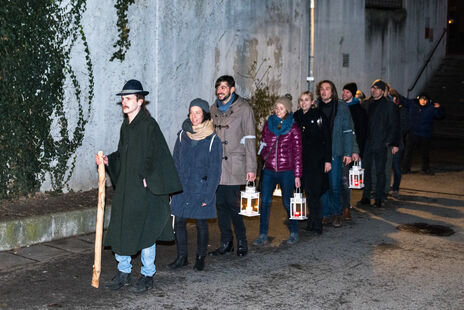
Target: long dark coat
{"x": 317, "y": 150}
{"x": 199, "y": 167}
{"x": 140, "y": 216}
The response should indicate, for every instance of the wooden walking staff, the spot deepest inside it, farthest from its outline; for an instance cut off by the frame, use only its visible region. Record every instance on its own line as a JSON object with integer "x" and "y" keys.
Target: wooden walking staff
{"x": 100, "y": 218}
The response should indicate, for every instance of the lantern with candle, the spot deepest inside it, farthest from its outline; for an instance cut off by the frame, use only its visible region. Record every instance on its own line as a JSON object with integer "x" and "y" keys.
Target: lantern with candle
{"x": 249, "y": 201}
{"x": 356, "y": 176}
{"x": 298, "y": 209}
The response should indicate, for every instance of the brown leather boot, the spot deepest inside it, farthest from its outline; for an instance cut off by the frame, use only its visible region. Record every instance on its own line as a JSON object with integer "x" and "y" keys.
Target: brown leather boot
{"x": 347, "y": 214}
{"x": 326, "y": 220}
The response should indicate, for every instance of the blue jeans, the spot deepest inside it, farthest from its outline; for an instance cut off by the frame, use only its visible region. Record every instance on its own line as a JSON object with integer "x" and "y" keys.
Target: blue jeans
{"x": 331, "y": 199}
{"x": 396, "y": 165}
{"x": 148, "y": 261}
{"x": 286, "y": 180}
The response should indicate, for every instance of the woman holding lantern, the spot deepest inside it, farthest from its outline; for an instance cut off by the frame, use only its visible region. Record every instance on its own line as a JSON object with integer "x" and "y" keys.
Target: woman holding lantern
{"x": 317, "y": 156}
{"x": 281, "y": 150}
{"x": 197, "y": 156}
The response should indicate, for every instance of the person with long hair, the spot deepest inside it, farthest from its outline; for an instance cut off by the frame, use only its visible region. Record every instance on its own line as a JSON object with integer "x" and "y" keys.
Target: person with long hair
{"x": 317, "y": 156}
{"x": 341, "y": 129}
{"x": 282, "y": 151}
{"x": 197, "y": 155}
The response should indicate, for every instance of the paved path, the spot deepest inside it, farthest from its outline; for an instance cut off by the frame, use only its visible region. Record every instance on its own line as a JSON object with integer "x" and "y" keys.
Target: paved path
{"x": 366, "y": 264}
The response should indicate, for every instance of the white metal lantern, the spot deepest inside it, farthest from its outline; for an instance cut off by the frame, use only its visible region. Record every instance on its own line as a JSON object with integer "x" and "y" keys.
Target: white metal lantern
{"x": 356, "y": 176}
{"x": 249, "y": 201}
{"x": 298, "y": 209}
{"x": 277, "y": 191}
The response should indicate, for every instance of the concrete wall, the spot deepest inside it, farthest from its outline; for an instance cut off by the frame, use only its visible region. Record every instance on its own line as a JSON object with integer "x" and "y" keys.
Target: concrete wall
{"x": 178, "y": 49}
{"x": 387, "y": 44}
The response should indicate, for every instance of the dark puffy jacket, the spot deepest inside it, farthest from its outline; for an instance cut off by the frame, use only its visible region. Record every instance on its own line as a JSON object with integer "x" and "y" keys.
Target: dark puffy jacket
{"x": 421, "y": 118}
{"x": 286, "y": 153}
{"x": 199, "y": 166}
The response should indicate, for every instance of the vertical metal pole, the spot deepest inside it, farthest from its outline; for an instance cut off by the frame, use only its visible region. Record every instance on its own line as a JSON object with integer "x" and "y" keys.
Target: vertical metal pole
{"x": 310, "y": 78}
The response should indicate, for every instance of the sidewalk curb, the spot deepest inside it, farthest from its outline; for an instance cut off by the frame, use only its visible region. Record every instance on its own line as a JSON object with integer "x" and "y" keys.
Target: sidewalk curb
{"x": 37, "y": 229}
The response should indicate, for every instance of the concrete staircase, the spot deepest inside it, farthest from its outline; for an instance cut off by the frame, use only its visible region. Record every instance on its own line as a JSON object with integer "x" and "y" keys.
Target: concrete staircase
{"x": 447, "y": 88}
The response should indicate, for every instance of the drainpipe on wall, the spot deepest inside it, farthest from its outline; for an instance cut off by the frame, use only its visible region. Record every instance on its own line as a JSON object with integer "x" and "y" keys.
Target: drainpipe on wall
{"x": 310, "y": 77}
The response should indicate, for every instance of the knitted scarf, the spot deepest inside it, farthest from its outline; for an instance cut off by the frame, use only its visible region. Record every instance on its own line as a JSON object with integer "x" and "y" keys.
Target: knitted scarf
{"x": 201, "y": 130}
{"x": 273, "y": 123}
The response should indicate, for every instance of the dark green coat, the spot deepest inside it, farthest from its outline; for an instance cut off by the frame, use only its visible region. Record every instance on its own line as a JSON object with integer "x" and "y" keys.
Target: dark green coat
{"x": 140, "y": 216}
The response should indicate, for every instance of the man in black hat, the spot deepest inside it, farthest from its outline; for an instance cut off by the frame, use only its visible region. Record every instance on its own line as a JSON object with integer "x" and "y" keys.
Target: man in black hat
{"x": 143, "y": 172}
{"x": 382, "y": 132}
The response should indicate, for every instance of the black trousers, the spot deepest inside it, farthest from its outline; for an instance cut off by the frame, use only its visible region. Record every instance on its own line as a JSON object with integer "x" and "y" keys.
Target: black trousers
{"x": 228, "y": 207}
{"x": 314, "y": 209}
{"x": 345, "y": 187}
{"x": 417, "y": 142}
{"x": 181, "y": 236}
{"x": 379, "y": 158}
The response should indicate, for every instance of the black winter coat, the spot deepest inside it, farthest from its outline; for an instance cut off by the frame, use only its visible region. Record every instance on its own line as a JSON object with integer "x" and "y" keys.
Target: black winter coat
{"x": 359, "y": 116}
{"x": 140, "y": 215}
{"x": 383, "y": 124}
{"x": 317, "y": 150}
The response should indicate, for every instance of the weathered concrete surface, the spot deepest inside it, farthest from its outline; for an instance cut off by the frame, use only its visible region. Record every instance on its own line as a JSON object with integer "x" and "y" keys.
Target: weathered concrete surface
{"x": 178, "y": 49}
{"x": 366, "y": 264}
{"x": 37, "y": 229}
{"x": 387, "y": 44}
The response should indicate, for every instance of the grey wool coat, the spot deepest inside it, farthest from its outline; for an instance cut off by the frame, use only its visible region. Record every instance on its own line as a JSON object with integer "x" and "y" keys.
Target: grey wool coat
{"x": 199, "y": 166}
{"x": 140, "y": 215}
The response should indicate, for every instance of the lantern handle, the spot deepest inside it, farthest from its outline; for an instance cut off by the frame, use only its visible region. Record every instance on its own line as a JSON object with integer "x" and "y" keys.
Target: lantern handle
{"x": 253, "y": 183}
{"x": 298, "y": 190}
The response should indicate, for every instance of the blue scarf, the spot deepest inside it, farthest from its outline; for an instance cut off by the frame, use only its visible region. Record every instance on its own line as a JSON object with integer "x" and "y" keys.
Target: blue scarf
{"x": 353, "y": 102}
{"x": 273, "y": 122}
{"x": 224, "y": 107}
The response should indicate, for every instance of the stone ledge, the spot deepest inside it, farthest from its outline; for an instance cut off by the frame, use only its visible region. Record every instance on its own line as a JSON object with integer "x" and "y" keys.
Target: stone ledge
{"x": 37, "y": 229}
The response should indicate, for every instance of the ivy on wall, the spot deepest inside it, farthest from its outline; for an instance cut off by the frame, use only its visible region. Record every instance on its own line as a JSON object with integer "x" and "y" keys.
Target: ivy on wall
{"x": 36, "y": 40}
{"x": 123, "y": 43}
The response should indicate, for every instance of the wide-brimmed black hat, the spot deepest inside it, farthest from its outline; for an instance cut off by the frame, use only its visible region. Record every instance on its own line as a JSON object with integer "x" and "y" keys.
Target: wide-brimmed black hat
{"x": 132, "y": 87}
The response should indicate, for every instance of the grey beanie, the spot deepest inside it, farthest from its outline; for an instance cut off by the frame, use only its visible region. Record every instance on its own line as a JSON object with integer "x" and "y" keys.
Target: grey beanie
{"x": 285, "y": 102}
{"x": 200, "y": 103}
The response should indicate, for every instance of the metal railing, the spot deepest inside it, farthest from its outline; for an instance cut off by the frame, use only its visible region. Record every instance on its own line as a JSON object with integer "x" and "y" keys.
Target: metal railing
{"x": 427, "y": 61}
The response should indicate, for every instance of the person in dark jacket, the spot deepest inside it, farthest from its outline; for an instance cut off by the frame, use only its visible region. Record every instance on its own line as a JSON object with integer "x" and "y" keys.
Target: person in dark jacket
{"x": 382, "y": 132}
{"x": 341, "y": 128}
{"x": 317, "y": 156}
{"x": 403, "y": 106}
{"x": 197, "y": 155}
{"x": 359, "y": 117}
{"x": 422, "y": 113}
{"x": 144, "y": 174}
{"x": 281, "y": 151}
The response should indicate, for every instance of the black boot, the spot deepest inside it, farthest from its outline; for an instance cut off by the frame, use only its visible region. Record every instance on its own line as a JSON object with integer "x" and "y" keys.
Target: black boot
{"x": 200, "y": 263}
{"x": 223, "y": 249}
{"x": 143, "y": 284}
{"x": 119, "y": 280}
{"x": 378, "y": 203}
{"x": 242, "y": 248}
{"x": 180, "y": 261}
{"x": 364, "y": 202}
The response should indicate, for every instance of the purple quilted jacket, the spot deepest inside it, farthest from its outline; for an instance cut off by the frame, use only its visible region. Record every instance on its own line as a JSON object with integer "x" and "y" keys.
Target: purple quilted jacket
{"x": 286, "y": 154}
